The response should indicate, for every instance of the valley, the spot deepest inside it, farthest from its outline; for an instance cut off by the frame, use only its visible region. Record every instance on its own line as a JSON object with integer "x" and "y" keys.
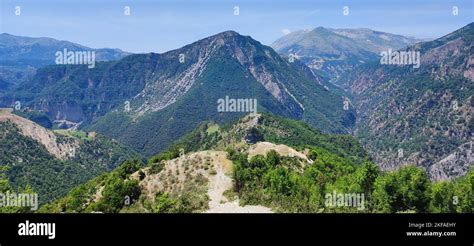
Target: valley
{"x": 228, "y": 125}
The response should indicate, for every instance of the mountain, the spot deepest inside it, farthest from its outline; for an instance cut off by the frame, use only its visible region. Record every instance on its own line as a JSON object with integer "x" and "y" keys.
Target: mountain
{"x": 53, "y": 162}
{"x": 335, "y": 51}
{"x": 260, "y": 164}
{"x": 22, "y": 56}
{"x": 195, "y": 174}
{"x": 426, "y": 112}
{"x": 146, "y": 101}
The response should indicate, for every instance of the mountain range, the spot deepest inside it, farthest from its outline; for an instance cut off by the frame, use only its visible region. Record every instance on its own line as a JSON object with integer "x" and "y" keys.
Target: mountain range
{"x": 22, "y": 56}
{"x": 329, "y": 116}
{"x": 262, "y": 164}
{"x": 424, "y": 112}
{"x": 332, "y": 51}
{"x": 168, "y": 96}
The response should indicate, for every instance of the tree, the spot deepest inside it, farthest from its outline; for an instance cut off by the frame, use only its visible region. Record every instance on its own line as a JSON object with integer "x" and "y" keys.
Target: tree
{"x": 116, "y": 193}
{"x": 163, "y": 203}
{"x": 273, "y": 158}
{"x": 277, "y": 181}
{"x": 129, "y": 167}
{"x": 442, "y": 197}
{"x": 405, "y": 189}
{"x": 464, "y": 192}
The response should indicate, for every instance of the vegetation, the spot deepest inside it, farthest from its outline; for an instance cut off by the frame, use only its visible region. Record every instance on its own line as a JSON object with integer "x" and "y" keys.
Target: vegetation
{"x": 108, "y": 193}
{"x": 118, "y": 192}
{"x": 83, "y": 90}
{"x": 272, "y": 181}
{"x": 47, "y": 175}
{"x": 6, "y": 188}
{"x": 337, "y": 165}
{"x": 426, "y": 111}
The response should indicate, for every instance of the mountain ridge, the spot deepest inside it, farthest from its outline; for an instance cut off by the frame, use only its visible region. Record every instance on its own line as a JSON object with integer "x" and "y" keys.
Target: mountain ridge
{"x": 22, "y": 56}
{"x": 239, "y": 167}
{"x": 161, "y": 88}
{"x": 425, "y": 111}
{"x": 49, "y": 162}
{"x": 335, "y": 51}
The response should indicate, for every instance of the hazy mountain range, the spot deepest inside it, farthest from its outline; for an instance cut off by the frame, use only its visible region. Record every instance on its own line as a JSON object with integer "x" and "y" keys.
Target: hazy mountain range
{"x": 21, "y": 56}
{"x": 331, "y": 52}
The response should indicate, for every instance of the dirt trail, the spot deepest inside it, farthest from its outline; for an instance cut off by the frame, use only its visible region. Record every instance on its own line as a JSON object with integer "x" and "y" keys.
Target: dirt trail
{"x": 218, "y": 181}
{"x": 218, "y": 203}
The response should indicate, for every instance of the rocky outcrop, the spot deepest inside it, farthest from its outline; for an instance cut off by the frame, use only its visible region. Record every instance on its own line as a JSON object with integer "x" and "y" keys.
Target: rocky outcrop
{"x": 456, "y": 164}
{"x": 61, "y": 150}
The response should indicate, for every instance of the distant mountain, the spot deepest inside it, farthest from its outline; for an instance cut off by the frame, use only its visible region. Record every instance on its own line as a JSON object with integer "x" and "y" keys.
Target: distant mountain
{"x": 21, "y": 56}
{"x": 425, "y": 112}
{"x": 170, "y": 94}
{"x": 53, "y": 162}
{"x": 334, "y": 51}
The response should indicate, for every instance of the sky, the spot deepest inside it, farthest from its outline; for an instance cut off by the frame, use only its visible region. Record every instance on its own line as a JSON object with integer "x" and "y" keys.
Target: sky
{"x": 160, "y": 26}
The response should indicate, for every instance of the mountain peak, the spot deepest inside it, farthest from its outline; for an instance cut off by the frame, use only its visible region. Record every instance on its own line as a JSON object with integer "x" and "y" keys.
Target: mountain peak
{"x": 230, "y": 34}
{"x": 321, "y": 30}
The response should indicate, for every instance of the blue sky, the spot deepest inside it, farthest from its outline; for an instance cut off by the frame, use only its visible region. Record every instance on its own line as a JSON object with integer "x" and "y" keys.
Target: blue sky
{"x": 159, "y": 26}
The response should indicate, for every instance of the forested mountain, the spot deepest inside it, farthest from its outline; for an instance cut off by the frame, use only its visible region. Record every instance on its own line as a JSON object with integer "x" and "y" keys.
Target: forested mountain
{"x": 412, "y": 127}
{"x": 169, "y": 94}
{"x": 51, "y": 163}
{"x": 421, "y": 116}
{"x": 263, "y": 163}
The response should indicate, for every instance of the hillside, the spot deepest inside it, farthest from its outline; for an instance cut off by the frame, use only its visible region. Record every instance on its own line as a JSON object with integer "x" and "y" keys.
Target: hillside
{"x": 424, "y": 113}
{"x": 52, "y": 163}
{"x": 333, "y": 52}
{"x": 147, "y": 100}
{"x": 254, "y": 175}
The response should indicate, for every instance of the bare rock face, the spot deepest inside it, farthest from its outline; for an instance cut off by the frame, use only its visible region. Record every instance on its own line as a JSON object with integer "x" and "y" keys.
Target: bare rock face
{"x": 455, "y": 164}
{"x": 469, "y": 72}
{"x": 45, "y": 137}
{"x": 163, "y": 90}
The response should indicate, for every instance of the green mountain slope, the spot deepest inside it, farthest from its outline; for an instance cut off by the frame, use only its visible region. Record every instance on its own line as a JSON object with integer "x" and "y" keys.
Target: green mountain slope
{"x": 270, "y": 164}
{"x": 420, "y": 115}
{"x": 53, "y": 163}
{"x": 169, "y": 97}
